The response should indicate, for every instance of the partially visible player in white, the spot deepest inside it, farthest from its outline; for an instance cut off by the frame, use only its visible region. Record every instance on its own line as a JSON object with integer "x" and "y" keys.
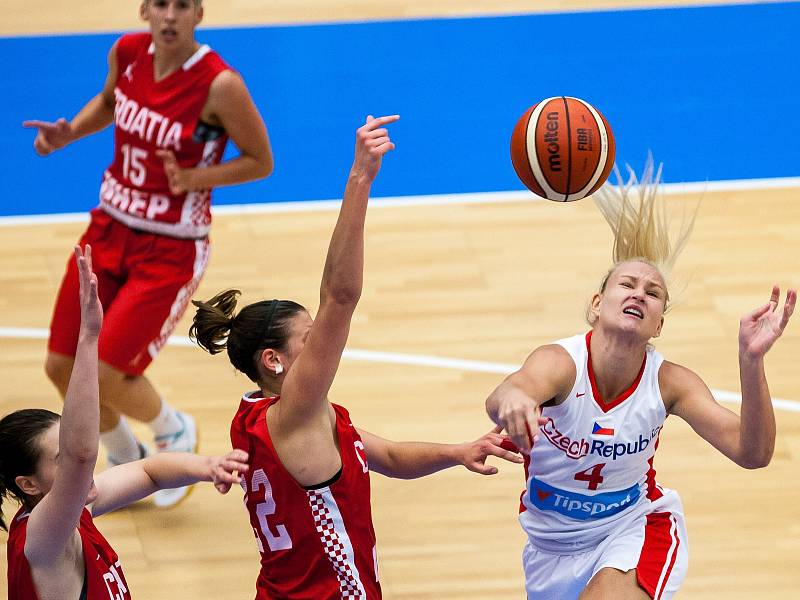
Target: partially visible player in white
{"x": 47, "y": 463}
{"x": 588, "y": 410}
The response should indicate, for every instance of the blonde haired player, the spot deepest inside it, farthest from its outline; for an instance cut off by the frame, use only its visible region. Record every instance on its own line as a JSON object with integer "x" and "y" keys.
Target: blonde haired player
{"x": 174, "y": 103}
{"x": 598, "y": 523}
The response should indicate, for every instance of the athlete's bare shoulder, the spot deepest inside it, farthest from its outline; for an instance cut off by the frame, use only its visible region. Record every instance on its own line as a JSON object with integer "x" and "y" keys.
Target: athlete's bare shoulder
{"x": 677, "y": 382}
{"x": 550, "y": 365}
{"x": 227, "y": 96}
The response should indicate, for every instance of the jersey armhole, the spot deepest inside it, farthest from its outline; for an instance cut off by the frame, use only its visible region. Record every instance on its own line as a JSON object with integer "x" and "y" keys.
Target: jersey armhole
{"x": 574, "y": 353}
{"x": 325, "y": 484}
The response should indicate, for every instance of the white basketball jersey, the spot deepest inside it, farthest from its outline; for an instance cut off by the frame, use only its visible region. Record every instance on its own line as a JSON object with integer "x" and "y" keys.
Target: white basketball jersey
{"x": 593, "y": 461}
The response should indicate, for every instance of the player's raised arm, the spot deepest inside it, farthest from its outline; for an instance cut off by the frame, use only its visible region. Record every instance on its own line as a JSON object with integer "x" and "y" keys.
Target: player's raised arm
{"x": 53, "y": 521}
{"x": 307, "y": 383}
{"x": 748, "y": 439}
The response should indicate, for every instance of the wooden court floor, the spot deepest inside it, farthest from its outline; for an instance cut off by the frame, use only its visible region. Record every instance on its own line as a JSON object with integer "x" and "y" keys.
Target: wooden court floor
{"x": 486, "y": 282}
{"x": 112, "y": 15}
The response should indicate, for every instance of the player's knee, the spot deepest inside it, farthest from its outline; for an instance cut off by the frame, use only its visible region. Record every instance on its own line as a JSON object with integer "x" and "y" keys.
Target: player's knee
{"x": 109, "y": 378}
{"x": 613, "y": 583}
{"x": 58, "y": 370}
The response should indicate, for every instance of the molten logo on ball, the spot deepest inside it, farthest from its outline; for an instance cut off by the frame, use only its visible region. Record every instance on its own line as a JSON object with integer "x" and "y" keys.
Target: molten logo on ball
{"x": 551, "y": 139}
{"x": 557, "y": 160}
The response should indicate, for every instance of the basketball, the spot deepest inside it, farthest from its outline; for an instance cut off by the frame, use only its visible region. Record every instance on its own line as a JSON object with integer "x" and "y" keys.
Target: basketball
{"x": 562, "y": 149}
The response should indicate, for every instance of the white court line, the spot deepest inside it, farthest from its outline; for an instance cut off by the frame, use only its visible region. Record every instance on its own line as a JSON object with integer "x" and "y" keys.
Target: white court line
{"x": 397, "y": 358}
{"x": 669, "y": 189}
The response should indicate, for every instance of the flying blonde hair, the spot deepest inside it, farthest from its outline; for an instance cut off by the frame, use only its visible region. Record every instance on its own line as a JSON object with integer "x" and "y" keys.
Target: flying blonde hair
{"x": 636, "y": 212}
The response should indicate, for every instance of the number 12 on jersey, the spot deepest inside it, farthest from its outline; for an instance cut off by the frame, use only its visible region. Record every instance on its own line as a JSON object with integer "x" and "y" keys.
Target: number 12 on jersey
{"x": 280, "y": 539}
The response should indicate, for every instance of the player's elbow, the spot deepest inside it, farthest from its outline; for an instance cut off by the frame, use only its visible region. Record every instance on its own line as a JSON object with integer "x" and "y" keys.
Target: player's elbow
{"x": 265, "y": 166}
{"x": 82, "y": 454}
{"x": 491, "y": 407}
{"x": 341, "y": 294}
{"x": 340, "y": 290}
{"x": 756, "y": 461}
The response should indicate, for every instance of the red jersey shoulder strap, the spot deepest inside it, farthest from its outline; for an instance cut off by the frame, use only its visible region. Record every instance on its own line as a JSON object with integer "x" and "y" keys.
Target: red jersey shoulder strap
{"x": 129, "y": 47}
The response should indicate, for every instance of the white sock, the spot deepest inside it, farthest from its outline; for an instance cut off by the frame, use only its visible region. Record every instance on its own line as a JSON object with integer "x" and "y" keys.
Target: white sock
{"x": 167, "y": 421}
{"x": 120, "y": 443}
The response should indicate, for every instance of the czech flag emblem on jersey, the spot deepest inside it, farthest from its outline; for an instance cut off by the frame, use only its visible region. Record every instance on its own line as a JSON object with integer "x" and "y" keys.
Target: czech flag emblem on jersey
{"x": 598, "y": 430}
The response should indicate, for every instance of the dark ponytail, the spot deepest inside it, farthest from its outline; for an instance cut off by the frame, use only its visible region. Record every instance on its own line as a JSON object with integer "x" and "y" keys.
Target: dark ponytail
{"x": 258, "y": 326}
{"x": 20, "y": 450}
{"x": 212, "y": 321}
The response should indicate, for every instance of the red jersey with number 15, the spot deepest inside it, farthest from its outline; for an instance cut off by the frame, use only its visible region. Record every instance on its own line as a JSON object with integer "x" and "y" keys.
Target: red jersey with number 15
{"x": 314, "y": 543}
{"x": 152, "y": 115}
{"x": 104, "y": 577}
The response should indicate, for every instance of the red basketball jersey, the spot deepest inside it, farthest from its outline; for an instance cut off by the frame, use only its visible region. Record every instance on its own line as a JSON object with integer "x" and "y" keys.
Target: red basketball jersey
{"x": 104, "y": 577}
{"x": 152, "y": 115}
{"x": 315, "y": 544}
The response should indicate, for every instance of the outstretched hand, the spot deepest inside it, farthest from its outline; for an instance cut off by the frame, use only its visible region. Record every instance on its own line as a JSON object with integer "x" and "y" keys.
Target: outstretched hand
{"x": 91, "y": 308}
{"x": 372, "y": 142}
{"x": 491, "y": 444}
{"x": 521, "y": 418}
{"x": 759, "y": 329}
{"x": 225, "y": 469}
{"x": 51, "y": 136}
{"x": 177, "y": 177}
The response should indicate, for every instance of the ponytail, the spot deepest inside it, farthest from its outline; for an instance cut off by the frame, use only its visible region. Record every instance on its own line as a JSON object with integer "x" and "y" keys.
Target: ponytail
{"x": 213, "y": 320}
{"x": 257, "y": 326}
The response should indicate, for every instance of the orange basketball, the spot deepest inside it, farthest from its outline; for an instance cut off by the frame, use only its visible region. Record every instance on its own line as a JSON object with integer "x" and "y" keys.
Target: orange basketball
{"x": 562, "y": 149}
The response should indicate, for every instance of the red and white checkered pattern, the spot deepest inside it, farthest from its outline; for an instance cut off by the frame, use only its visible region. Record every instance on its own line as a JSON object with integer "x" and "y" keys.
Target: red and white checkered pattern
{"x": 333, "y": 546}
{"x": 197, "y": 203}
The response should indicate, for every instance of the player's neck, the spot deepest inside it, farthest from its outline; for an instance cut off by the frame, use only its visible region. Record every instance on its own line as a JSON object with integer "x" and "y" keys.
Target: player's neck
{"x": 616, "y": 362}
{"x": 168, "y": 60}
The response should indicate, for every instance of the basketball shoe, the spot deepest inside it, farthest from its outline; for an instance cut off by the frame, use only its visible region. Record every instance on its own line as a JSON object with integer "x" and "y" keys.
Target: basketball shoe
{"x": 183, "y": 440}
{"x": 144, "y": 452}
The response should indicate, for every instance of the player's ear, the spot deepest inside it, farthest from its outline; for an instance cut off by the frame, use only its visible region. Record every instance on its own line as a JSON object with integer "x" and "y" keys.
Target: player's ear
{"x": 660, "y": 326}
{"x": 198, "y": 14}
{"x": 28, "y": 485}
{"x": 593, "y": 310}
{"x": 143, "y": 10}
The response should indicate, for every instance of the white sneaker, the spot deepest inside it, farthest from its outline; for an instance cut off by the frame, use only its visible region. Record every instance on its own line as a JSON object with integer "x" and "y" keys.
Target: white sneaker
{"x": 183, "y": 440}
{"x": 144, "y": 452}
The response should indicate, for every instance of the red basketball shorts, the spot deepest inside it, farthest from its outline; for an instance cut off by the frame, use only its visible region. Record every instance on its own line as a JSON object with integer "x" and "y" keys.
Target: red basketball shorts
{"x": 145, "y": 282}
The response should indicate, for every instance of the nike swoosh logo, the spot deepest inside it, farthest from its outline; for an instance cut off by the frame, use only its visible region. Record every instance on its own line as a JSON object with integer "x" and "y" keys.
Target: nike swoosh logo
{"x": 581, "y": 394}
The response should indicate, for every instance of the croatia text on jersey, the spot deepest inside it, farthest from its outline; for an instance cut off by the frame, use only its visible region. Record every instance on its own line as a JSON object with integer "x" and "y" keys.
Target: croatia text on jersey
{"x": 576, "y": 449}
{"x": 149, "y": 125}
{"x": 579, "y": 506}
{"x": 115, "y": 583}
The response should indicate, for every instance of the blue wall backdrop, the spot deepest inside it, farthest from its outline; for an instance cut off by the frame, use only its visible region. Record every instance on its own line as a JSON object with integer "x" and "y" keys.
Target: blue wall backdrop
{"x": 712, "y": 91}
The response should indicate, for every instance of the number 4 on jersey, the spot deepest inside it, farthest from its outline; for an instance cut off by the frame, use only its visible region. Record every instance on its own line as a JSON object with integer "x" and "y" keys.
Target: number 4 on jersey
{"x": 591, "y": 475}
